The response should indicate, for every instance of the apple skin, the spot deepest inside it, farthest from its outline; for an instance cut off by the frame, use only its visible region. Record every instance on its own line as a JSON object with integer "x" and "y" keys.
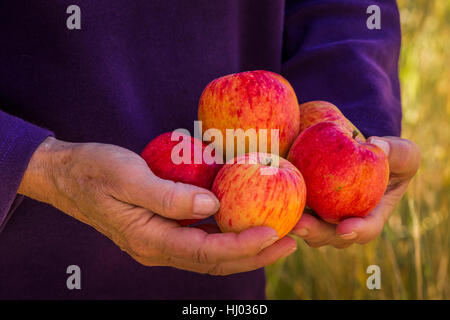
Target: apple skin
{"x": 250, "y": 198}
{"x": 313, "y": 112}
{"x": 344, "y": 177}
{"x": 158, "y": 153}
{"x": 252, "y": 100}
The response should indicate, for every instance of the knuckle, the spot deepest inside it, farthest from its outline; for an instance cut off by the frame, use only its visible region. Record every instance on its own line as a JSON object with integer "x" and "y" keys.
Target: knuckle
{"x": 201, "y": 256}
{"x": 167, "y": 201}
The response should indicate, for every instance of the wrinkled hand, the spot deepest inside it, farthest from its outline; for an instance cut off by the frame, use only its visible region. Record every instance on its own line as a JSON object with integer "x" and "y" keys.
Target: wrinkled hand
{"x": 404, "y": 159}
{"x": 113, "y": 190}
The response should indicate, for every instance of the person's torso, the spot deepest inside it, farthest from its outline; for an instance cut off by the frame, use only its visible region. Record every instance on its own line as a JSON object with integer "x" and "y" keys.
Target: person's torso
{"x": 135, "y": 69}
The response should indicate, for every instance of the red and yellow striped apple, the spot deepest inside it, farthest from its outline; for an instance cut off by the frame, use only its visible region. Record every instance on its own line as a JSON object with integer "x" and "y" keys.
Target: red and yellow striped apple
{"x": 254, "y": 193}
{"x": 344, "y": 177}
{"x": 313, "y": 112}
{"x": 158, "y": 155}
{"x": 252, "y": 100}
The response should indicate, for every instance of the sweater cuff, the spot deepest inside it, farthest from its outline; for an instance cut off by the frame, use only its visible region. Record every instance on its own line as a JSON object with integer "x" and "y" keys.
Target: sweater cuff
{"x": 18, "y": 141}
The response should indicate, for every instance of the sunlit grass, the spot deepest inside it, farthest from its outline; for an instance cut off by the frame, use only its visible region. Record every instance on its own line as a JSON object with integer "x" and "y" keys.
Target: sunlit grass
{"x": 413, "y": 250}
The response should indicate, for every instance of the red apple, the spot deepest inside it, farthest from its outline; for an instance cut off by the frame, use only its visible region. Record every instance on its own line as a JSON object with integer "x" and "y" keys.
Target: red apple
{"x": 254, "y": 193}
{"x": 313, "y": 112}
{"x": 158, "y": 155}
{"x": 252, "y": 100}
{"x": 344, "y": 177}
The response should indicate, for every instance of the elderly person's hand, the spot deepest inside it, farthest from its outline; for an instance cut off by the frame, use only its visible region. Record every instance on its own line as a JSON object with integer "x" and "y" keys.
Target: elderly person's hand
{"x": 404, "y": 159}
{"x": 113, "y": 190}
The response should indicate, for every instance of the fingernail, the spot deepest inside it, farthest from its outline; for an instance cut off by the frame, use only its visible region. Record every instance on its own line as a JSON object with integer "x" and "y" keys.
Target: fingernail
{"x": 204, "y": 205}
{"x": 302, "y": 232}
{"x": 269, "y": 242}
{"x": 291, "y": 251}
{"x": 348, "y": 236}
{"x": 381, "y": 144}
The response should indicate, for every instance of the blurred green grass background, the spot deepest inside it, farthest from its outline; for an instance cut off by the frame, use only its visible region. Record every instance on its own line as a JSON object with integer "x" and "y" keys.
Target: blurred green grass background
{"x": 414, "y": 248}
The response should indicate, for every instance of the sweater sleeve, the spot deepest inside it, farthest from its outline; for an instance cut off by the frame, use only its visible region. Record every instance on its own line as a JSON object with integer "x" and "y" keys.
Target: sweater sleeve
{"x": 18, "y": 140}
{"x": 330, "y": 54}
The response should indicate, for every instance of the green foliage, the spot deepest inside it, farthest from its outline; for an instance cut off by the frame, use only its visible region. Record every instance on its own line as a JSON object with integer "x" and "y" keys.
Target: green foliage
{"x": 413, "y": 250}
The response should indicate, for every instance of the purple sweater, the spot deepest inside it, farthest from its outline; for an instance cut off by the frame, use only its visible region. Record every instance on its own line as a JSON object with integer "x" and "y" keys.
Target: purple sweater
{"x": 137, "y": 69}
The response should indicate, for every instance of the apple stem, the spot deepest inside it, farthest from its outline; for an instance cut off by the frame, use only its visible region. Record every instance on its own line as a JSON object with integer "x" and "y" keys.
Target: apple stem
{"x": 355, "y": 133}
{"x": 268, "y": 161}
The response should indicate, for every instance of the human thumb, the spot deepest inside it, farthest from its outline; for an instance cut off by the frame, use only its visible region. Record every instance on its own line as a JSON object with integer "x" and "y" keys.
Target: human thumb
{"x": 174, "y": 200}
{"x": 403, "y": 155}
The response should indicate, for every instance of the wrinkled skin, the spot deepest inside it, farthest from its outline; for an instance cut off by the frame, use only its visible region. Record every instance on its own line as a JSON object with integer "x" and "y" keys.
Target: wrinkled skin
{"x": 113, "y": 190}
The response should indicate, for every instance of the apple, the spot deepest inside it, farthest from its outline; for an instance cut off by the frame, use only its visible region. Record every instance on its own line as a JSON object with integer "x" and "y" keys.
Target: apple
{"x": 252, "y": 100}
{"x": 313, "y": 112}
{"x": 344, "y": 177}
{"x": 158, "y": 155}
{"x": 252, "y": 192}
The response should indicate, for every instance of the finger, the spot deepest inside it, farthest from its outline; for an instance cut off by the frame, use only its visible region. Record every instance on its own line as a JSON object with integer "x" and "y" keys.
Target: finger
{"x": 167, "y": 198}
{"x": 197, "y": 245}
{"x": 280, "y": 249}
{"x": 403, "y": 155}
{"x": 270, "y": 255}
{"x": 314, "y": 231}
